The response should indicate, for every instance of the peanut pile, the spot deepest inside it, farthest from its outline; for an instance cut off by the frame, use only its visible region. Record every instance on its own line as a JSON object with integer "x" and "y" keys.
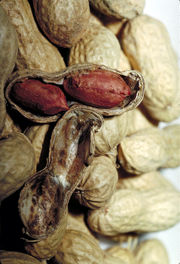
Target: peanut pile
{"x": 84, "y": 87}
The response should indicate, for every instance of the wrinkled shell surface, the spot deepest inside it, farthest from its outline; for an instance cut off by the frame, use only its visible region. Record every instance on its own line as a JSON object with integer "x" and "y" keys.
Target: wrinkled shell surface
{"x": 146, "y": 43}
{"x": 11, "y": 257}
{"x": 136, "y": 211}
{"x": 137, "y": 120}
{"x": 78, "y": 247}
{"x": 151, "y": 251}
{"x": 9, "y": 126}
{"x": 172, "y": 138}
{"x": 17, "y": 163}
{"x": 34, "y": 50}
{"x": 146, "y": 181}
{"x": 98, "y": 183}
{"x": 143, "y": 151}
{"x": 63, "y": 24}
{"x": 119, "y": 8}
{"x": 8, "y": 48}
{"x": 122, "y": 253}
{"x": 36, "y": 135}
{"x": 113, "y": 130}
{"x": 99, "y": 45}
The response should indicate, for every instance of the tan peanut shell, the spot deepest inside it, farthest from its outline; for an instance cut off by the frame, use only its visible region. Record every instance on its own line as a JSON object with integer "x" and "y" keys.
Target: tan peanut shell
{"x": 150, "y": 149}
{"x": 123, "y": 254}
{"x": 63, "y": 24}
{"x": 17, "y": 163}
{"x": 147, "y": 44}
{"x": 172, "y": 138}
{"x": 138, "y": 120}
{"x": 136, "y": 211}
{"x": 9, "y": 126}
{"x": 8, "y": 55}
{"x": 119, "y": 8}
{"x": 34, "y": 50}
{"x": 113, "y": 130}
{"x": 12, "y": 257}
{"x": 145, "y": 181}
{"x": 109, "y": 259}
{"x": 133, "y": 79}
{"x": 151, "y": 251}
{"x": 78, "y": 247}
{"x": 143, "y": 151}
{"x": 100, "y": 46}
{"x": 36, "y": 135}
{"x": 98, "y": 182}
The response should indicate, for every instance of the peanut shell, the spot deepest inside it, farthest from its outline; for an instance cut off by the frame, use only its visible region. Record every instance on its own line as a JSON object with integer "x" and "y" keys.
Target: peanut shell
{"x": 11, "y": 257}
{"x": 147, "y": 44}
{"x": 17, "y": 163}
{"x": 119, "y": 8}
{"x": 8, "y": 55}
{"x": 132, "y": 78}
{"x": 34, "y": 50}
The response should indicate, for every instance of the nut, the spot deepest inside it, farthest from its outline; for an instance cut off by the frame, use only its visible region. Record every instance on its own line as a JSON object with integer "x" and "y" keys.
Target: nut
{"x": 34, "y": 50}
{"x": 47, "y": 99}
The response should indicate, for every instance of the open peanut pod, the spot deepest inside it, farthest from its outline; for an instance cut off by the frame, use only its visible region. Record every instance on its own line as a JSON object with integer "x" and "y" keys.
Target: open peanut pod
{"x": 43, "y": 202}
{"x": 98, "y": 88}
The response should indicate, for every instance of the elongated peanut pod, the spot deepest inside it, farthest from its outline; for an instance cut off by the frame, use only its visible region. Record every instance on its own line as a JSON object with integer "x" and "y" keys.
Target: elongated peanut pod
{"x": 44, "y": 199}
{"x": 147, "y": 44}
{"x": 9, "y": 48}
{"x": 137, "y": 211}
{"x": 151, "y": 251}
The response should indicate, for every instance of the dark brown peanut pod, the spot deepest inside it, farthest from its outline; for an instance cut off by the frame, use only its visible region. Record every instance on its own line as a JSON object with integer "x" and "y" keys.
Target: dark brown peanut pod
{"x": 133, "y": 80}
{"x": 8, "y": 54}
{"x": 44, "y": 199}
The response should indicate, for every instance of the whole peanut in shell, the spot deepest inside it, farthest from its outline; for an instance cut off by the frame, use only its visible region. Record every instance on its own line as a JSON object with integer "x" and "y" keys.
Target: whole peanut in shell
{"x": 17, "y": 163}
{"x": 63, "y": 24}
{"x": 150, "y": 149}
{"x": 78, "y": 247}
{"x": 151, "y": 251}
{"x": 145, "y": 181}
{"x": 8, "y": 47}
{"x": 34, "y": 50}
{"x": 147, "y": 44}
{"x": 98, "y": 182}
{"x": 143, "y": 151}
{"x": 119, "y": 8}
{"x": 99, "y": 45}
{"x": 113, "y": 130}
{"x": 136, "y": 211}
{"x": 12, "y": 257}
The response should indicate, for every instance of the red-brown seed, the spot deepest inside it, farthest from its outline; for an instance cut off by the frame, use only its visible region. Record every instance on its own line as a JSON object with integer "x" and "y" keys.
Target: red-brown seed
{"x": 99, "y": 88}
{"x": 41, "y": 97}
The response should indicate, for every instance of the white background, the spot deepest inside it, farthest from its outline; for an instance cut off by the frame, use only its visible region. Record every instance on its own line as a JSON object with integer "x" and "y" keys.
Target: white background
{"x": 167, "y": 11}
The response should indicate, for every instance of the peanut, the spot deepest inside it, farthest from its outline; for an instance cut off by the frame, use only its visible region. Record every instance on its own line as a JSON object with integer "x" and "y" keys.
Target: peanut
{"x": 98, "y": 183}
{"x": 113, "y": 130}
{"x": 146, "y": 43}
{"x": 37, "y": 134}
{"x": 100, "y": 46}
{"x": 8, "y": 47}
{"x": 34, "y": 50}
{"x": 150, "y": 149}
{"x": 119, "y": 9}
{"x": 39, "y": 97}
{"x": 136, "y": 211}
{"x": 12, "y": 257}
{"x": 9, "y": 126}
{"x": 146, "y": 181}
{"x": 17, "y": 163}
{"x": 151, "y": 251}
{"x": 123, "y": 254}
{"x": 63, "y": 24}
{"x": 87, "y": 87}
